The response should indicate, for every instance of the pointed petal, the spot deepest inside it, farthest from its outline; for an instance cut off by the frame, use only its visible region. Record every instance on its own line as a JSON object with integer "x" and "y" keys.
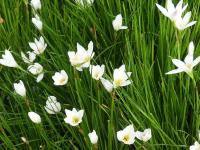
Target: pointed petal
{"x": 196, "y": 61}
{"x": 178, "y": 63}
{"x": 163, "y": 10}
{"x": 175, "y": 71}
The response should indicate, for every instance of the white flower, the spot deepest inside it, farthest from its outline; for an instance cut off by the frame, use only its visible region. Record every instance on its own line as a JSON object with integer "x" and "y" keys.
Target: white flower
{"x": 107, "y": 84}
{"x": 93, "y": 137}
{"x": 52, "y": 105}
{"x": 36, "y": 69}
{"x": 97, "y": 71}
{"x": 37, "y": 22}
{"x": 20, "y": 88}
{"x": 36, "y": 4}
{"x": 145, "y": 135}
{"x": 24, "y": 140}
{"x": 183, "y": 23}
{"x": 60, "y": 78}
{"x": 81, "y": 59}
{"x": 38, "y": 46}
{"x": 175, "y": 14}
{"x": 84, "y": 2}
{"x": 127, "y": 135}
{"x": 188, "y": 63}
{"x": 196, "y": 146}
{"x": 35, "y": 118}
{"x": 121, "y": 77}
{"x": 31, "y": 57}
{"x": 74, "y": 117}
{"x": 117, "y": 23}
{"x": 8, "y": 60}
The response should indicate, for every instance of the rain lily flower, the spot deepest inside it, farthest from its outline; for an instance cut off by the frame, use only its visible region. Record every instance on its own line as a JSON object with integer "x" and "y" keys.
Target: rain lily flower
{"x": 144, "y": 136}
{"x": 117, "y": 23}
{"x": 20, "y": 88}
{"x": 188, "y": 63}
{"x": 196, "y": 146}
{"x": 31, "y": 57}
{"x": 93, "y": 137}
{"x": 60, "y": 78}
{"x": 74, "y": 117}
{"x": 38, "y": 46}
{"x": 107, "y": 84}
{"x": 35, "y": 118}
{"x": 52, "y": 105}
{"x": 24, "y": 140}
{"x": 127, "y": 135}
{"x": 121, "y": 77}
{"x": 36, "y": 69}
{"x": 97, "y": 71}
{"x": 84, "y": 2}
{"x": 8, "y": 59}
{"x": 81, "y": 59}
{"x": 175, "y": 14}
{"x": 37, "y": 22}
{"x": 36, "y": 4}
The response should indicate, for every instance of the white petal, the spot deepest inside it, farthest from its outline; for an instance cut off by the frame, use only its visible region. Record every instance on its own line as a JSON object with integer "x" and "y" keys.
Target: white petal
{"x": 178, "y": 63}
{"x": 196, "y": 61}
{"x": 163, "y": 10}
{"x": 175, "y": 71}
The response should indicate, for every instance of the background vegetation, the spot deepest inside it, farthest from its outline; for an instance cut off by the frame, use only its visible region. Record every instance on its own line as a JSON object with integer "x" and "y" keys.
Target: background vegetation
{"x": 169, "y": 105}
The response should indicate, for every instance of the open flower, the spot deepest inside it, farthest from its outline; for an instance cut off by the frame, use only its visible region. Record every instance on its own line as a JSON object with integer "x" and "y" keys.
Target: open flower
{"x": 188, "y": 63}
{"x": 36, "y": 4}
{"x": 145, "y": 135}
{"x": 8, "y": 59}
{"x": 74, "y": 117}
{"x": 93, "y": 137}
{"x": 60, "y": 78}
{"x": 97, "y": 71}
{"x": 38, "y": 46}
{"x": 37, "y": 22}
{"x": 196, "y": 146}
{"x": 36, "y": 69}
{"x": 127, "y": 135}
{"x": 31, "y": 57}
{"x": 35, "y": 118}
{"x": 84, "y": 2}
{"x": 175, "y": 14}
{"x": 117, "y": 23}
{"x": 52, "y": 105}
{"x": 121, "y": 77}
{"x": 20, "y": 88}
{"x": 81, "y": 59}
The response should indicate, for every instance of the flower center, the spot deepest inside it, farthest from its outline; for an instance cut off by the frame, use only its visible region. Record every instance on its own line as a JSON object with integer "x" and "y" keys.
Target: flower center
{"x": 62, "y": 80}
{"x": 126, "y": 138}
{"x": 118, "y": 82}
{"x": 189, "y": 66}
{"x": 75, "y": 120}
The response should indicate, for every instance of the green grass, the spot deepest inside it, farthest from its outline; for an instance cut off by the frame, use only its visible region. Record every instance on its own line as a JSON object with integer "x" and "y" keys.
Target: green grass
{"x": 169, "y": 105}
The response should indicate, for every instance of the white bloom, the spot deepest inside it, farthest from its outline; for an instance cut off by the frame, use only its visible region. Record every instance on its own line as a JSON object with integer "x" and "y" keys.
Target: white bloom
{"x": 34, "y": 117}
{"x": 74, "y": 117}
{"x": 31, "y": 57}
{"x": 52, "y": 105}
{"x": 84, "y": 2}
{"x": 196, "y": 146}
{"x": 60, "y": 78}
{"x": 81, "y": 59}
{"x": 127, "y": 135}
{"x": 36, "y": 69}
{"x": 183, "y": 23}
{"x": 20, "y": 88}
{"x": 93, "y": 137}
{"x": 8, "y": 60}
{"x": 97, "y": 71}
{"x": 24, "y": 140}
{"x": 175, "y": 14}
{"x": 188, "y": 63}
{"x": 145, "y": 135}
{"x": 38, "y": 46}
{"x": 37, "y": 22}
{"x": 121, "y": 77}
{"x": 117, "y": 23}
{"x": 107, "y": 84}
{"x": 36, "y": 4}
